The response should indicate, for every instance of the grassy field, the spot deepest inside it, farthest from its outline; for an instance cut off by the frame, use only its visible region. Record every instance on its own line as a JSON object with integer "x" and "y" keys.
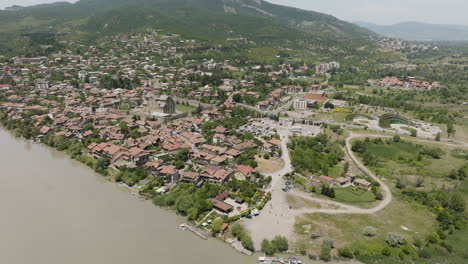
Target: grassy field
{"x": 268, "y": 166}
{"x": 184, "y": 108}
{"x": 267, "y": 55}
{"x": 400, "y": 159}
{"x": 339, "y": 116}
{"x": 459, "y": 242}
{"x": 353, "y": 195}
{"x": 301, "y": 203}
{"x": 347, "y": 230}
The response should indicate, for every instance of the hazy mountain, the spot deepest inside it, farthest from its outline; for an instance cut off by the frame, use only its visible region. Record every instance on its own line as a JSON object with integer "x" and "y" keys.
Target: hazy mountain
{"x": 420, "y": 31}
{"x": 216, "y": 20}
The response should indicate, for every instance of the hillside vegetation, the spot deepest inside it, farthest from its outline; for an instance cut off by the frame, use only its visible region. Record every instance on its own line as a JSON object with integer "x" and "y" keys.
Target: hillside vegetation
{"x": 211, "y": 20}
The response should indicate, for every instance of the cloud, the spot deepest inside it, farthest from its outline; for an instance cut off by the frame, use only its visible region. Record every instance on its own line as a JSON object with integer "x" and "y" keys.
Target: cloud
{"x": 388, "y": 11}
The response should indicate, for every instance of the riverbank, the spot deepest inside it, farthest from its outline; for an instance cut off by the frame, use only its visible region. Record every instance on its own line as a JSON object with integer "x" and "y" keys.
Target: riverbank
{"x": 54, "y": 212}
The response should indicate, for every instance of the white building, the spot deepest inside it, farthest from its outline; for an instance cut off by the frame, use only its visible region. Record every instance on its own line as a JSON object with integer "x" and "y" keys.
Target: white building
{"x": 42, "y": 84}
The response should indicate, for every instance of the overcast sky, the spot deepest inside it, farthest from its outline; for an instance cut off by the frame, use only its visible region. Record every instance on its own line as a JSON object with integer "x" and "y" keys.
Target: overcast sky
{"x": 375, "y": 11}
{"x": 388, "y": 11}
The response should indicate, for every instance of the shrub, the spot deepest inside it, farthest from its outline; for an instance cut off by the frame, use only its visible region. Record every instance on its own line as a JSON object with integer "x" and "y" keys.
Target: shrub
{"x": 280, "y": 243}
{"x": 433, "y": 238}
{"x": 267, "y": 247}
{"x": 345, "y": 253}
{"x": 243, "y": 236}
{"x": 325, "y": 253}
{"x": 386, "y": 251}
{"x": 328, "y": 242}
{"x": 395, "y": 239}
{"x": 424, "y": 253}
{"x": 369, "y": 231}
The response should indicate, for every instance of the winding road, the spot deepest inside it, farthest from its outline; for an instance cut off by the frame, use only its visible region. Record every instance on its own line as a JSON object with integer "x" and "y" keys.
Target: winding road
{"x": 278, "y": 218}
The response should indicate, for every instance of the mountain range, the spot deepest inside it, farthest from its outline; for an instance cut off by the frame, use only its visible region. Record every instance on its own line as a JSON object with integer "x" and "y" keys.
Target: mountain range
{"x": 213, "y": 20}
{"x": 420, "y": 31}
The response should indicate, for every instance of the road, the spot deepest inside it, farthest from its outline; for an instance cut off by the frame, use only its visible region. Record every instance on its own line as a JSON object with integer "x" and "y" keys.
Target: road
{"x": 272, "y": 112}
{"x": 278, "y": 217}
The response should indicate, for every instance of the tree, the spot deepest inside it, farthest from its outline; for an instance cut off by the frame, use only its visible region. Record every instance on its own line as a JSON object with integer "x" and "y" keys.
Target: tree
{"x": 237, "y": 98}
{"x": 437, "y": 138}
{"x": 280, "y": 243}
{"x": 102, "y": 164}
{"x": 193, "y": 213}
{"x": 457, "y": 203}
{"x": 359, "y": 146}
{"x": 217, "y": 224}
{"x": 396, "y": 138}
{"x": 414, "y": 133}
{"x": 329, "y": 105}
{"x": 267, "y": 248}
{"x": 450, "y": 129}
{"x": 369, "y": 159}
{"x": 199, "y": 109}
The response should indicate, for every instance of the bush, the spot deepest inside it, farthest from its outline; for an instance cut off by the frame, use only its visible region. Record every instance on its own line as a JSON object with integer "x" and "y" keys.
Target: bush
{"x": 345, "y": 253}
{"x": 369, "y": 231}
{"x": 395, "y": 239}
{"x": 325, "y": 253}
{"x": 386, "y": 251}
{"x": 280, "y": 243}
{"x": 267, "y": 247}
{"x": 242, "y": 236}
{"x": 424, "y": 253}
{"x": 328, "y": 242}
{"x": 433, "y": 238}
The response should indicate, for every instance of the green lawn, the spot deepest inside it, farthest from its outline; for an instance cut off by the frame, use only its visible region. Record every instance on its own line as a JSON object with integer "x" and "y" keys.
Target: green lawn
{"x": 336, "y": 171}
{"x": 267, "y": 55}
{"x": 347, "y": 229}
{"x": 401, "y": 158}
{"x": 184, "y": 108}
{"x": 353, "y": 195}
{"x": 339, "y": 116}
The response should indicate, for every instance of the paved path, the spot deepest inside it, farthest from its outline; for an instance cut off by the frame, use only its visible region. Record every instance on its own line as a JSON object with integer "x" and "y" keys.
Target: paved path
{"x": 278, "y": 218}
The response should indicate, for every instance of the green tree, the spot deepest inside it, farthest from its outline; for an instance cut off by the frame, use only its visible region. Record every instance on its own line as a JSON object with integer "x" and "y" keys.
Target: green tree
{"x": 280, "y": 243}
{"x": 217, "y": 224}
{"x": 267, "y": 248}
{"x": 102, "y": 164}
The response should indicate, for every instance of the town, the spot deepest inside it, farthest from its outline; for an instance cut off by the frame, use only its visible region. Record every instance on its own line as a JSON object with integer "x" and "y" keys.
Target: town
{"x": 238, "y": 147}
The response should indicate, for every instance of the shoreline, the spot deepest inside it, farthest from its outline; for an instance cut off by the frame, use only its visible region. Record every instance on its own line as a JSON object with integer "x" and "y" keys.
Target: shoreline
{"x": 122, "y": 186}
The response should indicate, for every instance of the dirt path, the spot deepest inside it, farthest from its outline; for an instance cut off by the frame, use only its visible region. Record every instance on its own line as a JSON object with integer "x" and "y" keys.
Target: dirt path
{"x": 278, "y": 218}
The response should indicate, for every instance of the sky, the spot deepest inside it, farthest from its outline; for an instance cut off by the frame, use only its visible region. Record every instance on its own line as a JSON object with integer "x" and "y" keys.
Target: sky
{"x": 375, "y": 11}
{"x": 387, "y": 12}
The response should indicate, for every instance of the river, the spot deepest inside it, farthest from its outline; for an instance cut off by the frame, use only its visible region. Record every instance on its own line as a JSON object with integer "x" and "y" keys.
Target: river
{"x": 54, "y": 210}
